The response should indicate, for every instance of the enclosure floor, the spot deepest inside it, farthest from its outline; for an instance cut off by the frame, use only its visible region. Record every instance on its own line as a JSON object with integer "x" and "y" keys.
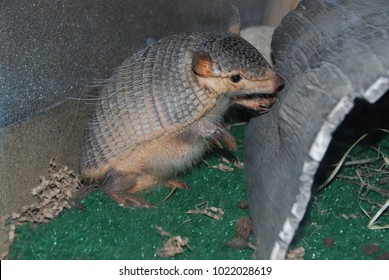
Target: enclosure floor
{"x": 336, "y": 221}
{"x": 107, "y": 231}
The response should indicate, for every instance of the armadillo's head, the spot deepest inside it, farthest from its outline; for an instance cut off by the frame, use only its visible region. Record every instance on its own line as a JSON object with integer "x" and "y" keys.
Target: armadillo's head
{"x": 229, "y": 65}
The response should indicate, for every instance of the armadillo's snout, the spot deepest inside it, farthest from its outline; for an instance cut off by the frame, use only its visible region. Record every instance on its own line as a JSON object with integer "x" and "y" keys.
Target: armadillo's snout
{"x": 266, "y": 91}
{"x": 274, "y": 84}
{"x": 271, "y": 82}
{"x": 278, "y": 83}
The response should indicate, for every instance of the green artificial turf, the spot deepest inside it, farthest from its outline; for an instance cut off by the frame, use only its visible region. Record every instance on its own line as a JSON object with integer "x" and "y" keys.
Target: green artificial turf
{"x": 108, "y": 231}
{"x": 336, "y": 226}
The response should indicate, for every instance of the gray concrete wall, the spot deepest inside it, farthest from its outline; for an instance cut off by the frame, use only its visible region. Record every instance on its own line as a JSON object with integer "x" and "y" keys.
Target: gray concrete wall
{"x": 52, "y": 50}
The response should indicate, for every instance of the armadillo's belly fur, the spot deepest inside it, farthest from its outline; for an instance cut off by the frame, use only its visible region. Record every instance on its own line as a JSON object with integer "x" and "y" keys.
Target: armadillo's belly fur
{"x": 151, "y": 96}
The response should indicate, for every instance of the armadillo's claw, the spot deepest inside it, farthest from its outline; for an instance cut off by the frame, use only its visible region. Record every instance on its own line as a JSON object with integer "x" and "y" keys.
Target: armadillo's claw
{"x": 230, "y": 142}
{"x": 222, "y": 135}
{"x": 175, "y": 184}
{"x": 85, "y": 187}
{"x": 217, "y": 143}
{"x": 127, "y": 199}
{"x": 74, "y": 202}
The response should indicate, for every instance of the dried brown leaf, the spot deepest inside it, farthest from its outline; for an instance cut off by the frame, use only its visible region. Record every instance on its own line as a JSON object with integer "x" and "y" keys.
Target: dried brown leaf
{"x": 371, "y": 249}
{"x": 210, "y": 211}
{"x": 243, "y": 204}
{"x": 53, "y": 194}
{"x": 225, "y": 160}
{"x": 384, "y": 256}
{"x": 239, "y": 244}
{"x": 244, "y": 227}
{"x": 173, "y": 245}
{"x": 328, "y": 242}
{"x": 162, "y": 232}
{"x": 296, "y": 254}
{"x": 223, "y": 167}
{"x": 239, "y": 164}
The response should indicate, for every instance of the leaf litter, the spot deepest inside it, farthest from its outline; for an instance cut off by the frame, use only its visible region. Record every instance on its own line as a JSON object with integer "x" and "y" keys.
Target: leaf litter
{"x": 371, "y": 174}
{"x": 53, "y": 194}
{"x": 172, "y": 246}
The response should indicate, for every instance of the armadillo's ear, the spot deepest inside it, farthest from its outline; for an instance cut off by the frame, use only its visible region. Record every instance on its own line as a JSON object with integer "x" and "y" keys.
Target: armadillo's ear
{"x": 234, "y": 26}
{"x": 202, "y": 64}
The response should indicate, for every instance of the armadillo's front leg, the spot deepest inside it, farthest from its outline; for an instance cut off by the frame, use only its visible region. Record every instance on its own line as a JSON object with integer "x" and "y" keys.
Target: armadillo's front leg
{"x": 216, "y": 134}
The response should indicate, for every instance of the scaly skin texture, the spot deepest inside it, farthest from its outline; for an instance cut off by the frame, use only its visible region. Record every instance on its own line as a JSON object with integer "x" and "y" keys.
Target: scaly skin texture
{"x": 164, "y": 107}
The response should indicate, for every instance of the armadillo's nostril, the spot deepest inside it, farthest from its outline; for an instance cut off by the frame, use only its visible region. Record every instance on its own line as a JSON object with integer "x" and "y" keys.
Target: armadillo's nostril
{"x": 272, "y": 81}
{"x": 278, "y": 83}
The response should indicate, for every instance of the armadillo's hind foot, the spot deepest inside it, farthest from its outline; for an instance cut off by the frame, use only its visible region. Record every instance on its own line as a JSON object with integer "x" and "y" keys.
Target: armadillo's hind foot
{"x": 86, "y": 187}
{"x": 175, "y": 184}
{"x": 121, "y": 187}
{"x": 76, "y": 202}
{"x": 126, "y": 199}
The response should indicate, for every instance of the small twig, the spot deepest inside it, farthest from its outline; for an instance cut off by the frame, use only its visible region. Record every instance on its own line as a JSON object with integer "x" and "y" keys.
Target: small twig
{"x": 162, "y": 232}
{"x": 376, "y": 216}
{"x": 343, "y": 159}
{"x": 168, "y": 196}
{"x": 360, "y": 161}
{"x": 360, "y": 191}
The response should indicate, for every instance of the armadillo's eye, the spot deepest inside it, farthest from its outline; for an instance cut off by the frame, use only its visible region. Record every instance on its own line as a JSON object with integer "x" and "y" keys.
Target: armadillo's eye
{"x": 236, "y": 79}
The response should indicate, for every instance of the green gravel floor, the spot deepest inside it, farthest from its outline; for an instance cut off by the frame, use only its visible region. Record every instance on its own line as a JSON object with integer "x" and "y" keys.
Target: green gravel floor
{"x": 108, "y": 231}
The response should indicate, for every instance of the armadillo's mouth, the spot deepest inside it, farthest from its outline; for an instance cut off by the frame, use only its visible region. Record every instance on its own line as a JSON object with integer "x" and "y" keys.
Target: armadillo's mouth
{"x": 264, "y": 93}
{"x": 257, "y": 101}
{"x": 262, "y": 101}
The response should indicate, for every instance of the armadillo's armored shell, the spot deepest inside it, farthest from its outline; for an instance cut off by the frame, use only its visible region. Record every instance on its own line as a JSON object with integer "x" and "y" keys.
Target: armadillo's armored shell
{"x": 151, "y": 94}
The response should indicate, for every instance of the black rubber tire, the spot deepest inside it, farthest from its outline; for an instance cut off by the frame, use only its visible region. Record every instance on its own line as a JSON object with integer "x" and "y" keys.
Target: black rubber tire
{"x": 329, "y": 53}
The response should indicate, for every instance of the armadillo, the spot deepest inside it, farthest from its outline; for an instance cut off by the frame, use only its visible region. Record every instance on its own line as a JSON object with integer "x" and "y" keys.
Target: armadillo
{"x": 163, "y": 108}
